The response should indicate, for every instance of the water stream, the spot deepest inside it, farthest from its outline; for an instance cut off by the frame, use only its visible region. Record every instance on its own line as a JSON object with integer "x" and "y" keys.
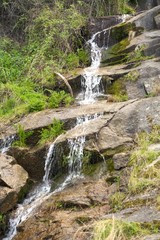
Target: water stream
{"x": 91, "y": 89}
{"x": 90, "y": 81}
{"x": 6, "y": 143}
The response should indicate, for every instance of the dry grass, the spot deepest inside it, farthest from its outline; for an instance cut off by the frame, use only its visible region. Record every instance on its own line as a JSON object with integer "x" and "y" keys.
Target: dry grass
{"x": 112, "y": 229}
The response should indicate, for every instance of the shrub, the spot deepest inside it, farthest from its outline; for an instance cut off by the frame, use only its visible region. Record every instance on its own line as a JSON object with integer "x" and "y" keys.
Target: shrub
{"x": 58, "y": 99}
{"x": 53, "y": 131}
{"x": 22, "y": 136}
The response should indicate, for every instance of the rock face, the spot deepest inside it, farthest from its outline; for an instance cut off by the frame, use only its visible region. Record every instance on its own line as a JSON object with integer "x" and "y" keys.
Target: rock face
{"x": 13, "y": 180}
{"x": 59, "y": 223}
{"x": 32, "y": 160}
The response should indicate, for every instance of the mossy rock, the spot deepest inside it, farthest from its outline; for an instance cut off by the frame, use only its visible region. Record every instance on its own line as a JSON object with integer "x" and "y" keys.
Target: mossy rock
{"x": 118, "y": 90}
{"x": 117, "y": 52}
{"x": 122, "y": 30}
{"x": 93, "y": 163}
{"x": 110, "y": 152}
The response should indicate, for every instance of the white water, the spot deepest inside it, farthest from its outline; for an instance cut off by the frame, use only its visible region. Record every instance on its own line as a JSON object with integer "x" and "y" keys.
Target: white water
{"x": 91, "y": 84}
{"x": 35, "y": 198}
{"x": 90, "y": 81}
{"x": 6, "y": 144}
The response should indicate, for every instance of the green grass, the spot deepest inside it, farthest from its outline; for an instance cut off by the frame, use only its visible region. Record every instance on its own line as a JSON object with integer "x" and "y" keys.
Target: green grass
{"x": 145, "y": 172}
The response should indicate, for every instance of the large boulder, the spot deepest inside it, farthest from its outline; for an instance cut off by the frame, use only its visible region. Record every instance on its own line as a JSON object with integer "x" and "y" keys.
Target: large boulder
{"x": 136, "y": 117}
{"x": 32, "y": 160}
{"x": 13, "y": 181}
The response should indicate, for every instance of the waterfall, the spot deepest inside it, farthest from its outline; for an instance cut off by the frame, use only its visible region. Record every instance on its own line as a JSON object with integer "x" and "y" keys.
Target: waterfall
{"x": 91, "y": 89}
{"x": 6, "y": 143}
{"x": 34, "y": 198}
{"x": 90, "y": 81}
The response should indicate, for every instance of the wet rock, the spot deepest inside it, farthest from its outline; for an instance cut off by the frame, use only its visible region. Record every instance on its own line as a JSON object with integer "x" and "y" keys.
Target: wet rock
{"x": 120, "y": 160}
{"x": 68, "y": 115}
{"x": 15, "y": 178}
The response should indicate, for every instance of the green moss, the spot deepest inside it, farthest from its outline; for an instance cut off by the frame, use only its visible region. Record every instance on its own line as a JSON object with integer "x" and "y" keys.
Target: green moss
{"x": 119, "y": 47}
{"x": 91, "y": 163}
{"x": 137, "y": 55}
{"x": 121, "y": 31}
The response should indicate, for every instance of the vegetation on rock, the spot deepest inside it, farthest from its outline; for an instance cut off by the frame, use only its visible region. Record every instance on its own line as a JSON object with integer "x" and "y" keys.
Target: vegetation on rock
{"x": 22, "y": 137}
{"x": 145, "y": 172}
{"x": 53, "y": 131}
{"x": 118, "y": 229}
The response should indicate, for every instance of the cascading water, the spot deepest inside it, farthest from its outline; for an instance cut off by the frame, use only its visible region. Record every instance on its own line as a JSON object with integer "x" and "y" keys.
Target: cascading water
{"x": 33, "y": 199}
{"x": 91, "y": 83}
{"x": 6, "y": 143}
{"x": 91, "y": 88}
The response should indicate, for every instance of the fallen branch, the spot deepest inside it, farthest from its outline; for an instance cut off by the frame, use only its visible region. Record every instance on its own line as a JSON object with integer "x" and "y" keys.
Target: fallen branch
{"x": 66, "y": 82}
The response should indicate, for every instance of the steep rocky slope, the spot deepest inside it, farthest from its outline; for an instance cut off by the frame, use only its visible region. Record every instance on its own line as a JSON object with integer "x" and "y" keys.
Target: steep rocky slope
{"x": 121, "y": 161}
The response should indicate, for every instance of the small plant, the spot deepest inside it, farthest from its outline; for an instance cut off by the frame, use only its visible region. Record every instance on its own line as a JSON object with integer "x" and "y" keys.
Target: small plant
{"x": 112, "y": 229}
{"x": 137, "y": 55}
{"x": 118, "y": 91}
{"x": 53, "y": 131}
{"x": 116, "y": 200}
{"x": 132, "y": 76}
{"x": 22, "y": 136}
{"x": 58, "y": 99}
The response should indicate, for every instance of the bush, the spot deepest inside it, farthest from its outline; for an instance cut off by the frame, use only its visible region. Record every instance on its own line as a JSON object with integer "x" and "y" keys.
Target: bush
{"x": 53, "y": 131}
{"x": 22, "y": 136}
{"x": 58, "y": 99}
